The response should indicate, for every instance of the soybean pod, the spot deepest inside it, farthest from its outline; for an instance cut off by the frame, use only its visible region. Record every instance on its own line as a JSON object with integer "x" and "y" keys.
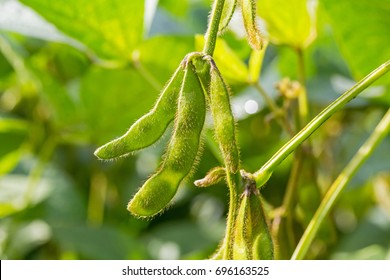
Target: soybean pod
{"x": 224, "y": 126}
{"x": 181, "y": 153}
{"x": 255, "y": 38}
{"x": 227, "y": 13}
{"x": 252, "y": 239}
{"x": 149, "y": 128}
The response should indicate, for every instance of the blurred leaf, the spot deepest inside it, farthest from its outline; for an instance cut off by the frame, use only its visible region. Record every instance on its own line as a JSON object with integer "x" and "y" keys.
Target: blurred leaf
{"x": 104, "y": 243}
{"x": 171, "y": 240}
{"x": 111, "y": 28}
{"x": 177, "y": 8}
{"x": 161, "y": 55}
{"x": 5, "y": 67}
{"x": 14, "y": 192}
{"x": 112, "y": 100}
{"x": 356, "y": 245}
{"x": 56, "y": 66}
{"x": 361, "y": 31}
{"x": 256, "y": 63}
{"x": 16, "y": 17}
{"x": 13, "y": 133}
{"x": 233, "y": 69}
{"x": 289, "y": 22}
{"x": 25, "y": 237}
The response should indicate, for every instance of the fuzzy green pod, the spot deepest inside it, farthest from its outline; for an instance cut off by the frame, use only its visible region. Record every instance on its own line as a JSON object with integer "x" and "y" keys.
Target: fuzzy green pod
{"x": 149, "y": 128}
{"x": 255, "y": 39}
{"x": 228, "y": 9}
{"x": 224, "y": 125}
{"x": 181, "y": 153}
{"x": 252, "y": 239}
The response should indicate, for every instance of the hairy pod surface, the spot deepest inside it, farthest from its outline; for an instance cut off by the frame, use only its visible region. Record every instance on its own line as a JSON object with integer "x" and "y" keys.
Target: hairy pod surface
{"x": 181, "y": 153}
{"x": 255, "y": 39}
{"x": 252, "y": 239}
{"x": 149, "y": 128}
{"x": 227, "y": 13}
{"x": 224, "y": 126}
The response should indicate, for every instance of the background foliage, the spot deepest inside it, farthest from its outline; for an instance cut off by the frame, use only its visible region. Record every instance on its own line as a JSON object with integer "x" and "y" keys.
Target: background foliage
{"x": 75, "y": 74}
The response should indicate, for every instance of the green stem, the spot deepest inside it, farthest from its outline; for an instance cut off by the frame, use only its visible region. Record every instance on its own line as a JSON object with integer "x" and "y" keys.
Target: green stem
{"x": 339, "y": 184}
{"x": 212, "y": 29}
{"x": 268, "y": 100}
{"x": 278, "y": 113}
{"x": 303, "y": 103}
{"x": 36, "y": 173}
{"x": 266, "y": 170}
{"x": 232, "y": 181}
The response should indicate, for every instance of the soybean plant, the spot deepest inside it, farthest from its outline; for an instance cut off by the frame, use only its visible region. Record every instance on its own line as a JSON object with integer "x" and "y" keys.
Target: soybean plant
{"x": 197, "y": 85}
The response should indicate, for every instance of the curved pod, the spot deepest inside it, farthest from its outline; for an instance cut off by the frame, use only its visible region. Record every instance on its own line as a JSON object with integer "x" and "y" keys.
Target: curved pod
{"x": 181, "y": 153}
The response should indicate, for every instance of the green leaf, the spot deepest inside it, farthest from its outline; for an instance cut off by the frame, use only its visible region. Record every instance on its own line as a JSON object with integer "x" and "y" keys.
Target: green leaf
{"x": 171, "y": 51}
{"x": 288, "y": 22}
{"x": 111, "y": 28}
{"x": 13, "y": 133}
{"x": 105, "y": 243}
{"x": 177, "y": 8}
{"x": 362, "y": 32}
{"x": 112, "y": 100}
{"x": 256, "y": 63}
{"x": 14, "y": 190}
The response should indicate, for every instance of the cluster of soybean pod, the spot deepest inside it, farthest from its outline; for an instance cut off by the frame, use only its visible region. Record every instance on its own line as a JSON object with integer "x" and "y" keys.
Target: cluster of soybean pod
{"x": 197, "y": 85}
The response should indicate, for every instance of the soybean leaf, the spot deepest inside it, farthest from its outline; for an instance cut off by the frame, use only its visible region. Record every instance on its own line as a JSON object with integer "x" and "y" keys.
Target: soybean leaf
{"x": 16, "y": 17}
{"x": 288, "y": 22}
{"x": 13, "y": 191}
{"x": 112, "y": 100}
{"x": 100, "y": 243}
{"x": 177, "y": 8}
{"x": 111, "y": 28}
{"x": 171, "y": 50}
{"x": 361, "y": 30}
{"x": 13, "y": 133}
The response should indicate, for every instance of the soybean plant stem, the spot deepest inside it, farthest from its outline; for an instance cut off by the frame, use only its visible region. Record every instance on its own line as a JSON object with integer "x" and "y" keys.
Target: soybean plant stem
{"x": 302, "y": 99}
{"x": 381, "y": 130}
{"x": 212, "y": 28}
{"x": 36, "y": 173}
{"x": 312, "y": 126}
{"x": 232, "y": 181}
{"x": 279, "y": 114}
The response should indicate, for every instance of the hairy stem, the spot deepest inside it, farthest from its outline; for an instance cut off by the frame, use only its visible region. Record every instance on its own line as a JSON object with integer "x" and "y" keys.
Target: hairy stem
{"x": 232, "y": 181}
{"x": 301, "y": 136}
{"x": 339, "y": 184}
{"x": 212, "y": 29}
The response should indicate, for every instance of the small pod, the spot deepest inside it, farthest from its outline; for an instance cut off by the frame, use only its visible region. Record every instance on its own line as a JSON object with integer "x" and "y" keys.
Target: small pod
{"x": 227, "y": 12}
{"x": 149, "y": 128}
{"x": 214, "y": 176}
{"x": 252, "y": 239}
{"x": 255, "y": 39}
{"x": 224, "y": 126}
{"x": 181, "y": 153}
